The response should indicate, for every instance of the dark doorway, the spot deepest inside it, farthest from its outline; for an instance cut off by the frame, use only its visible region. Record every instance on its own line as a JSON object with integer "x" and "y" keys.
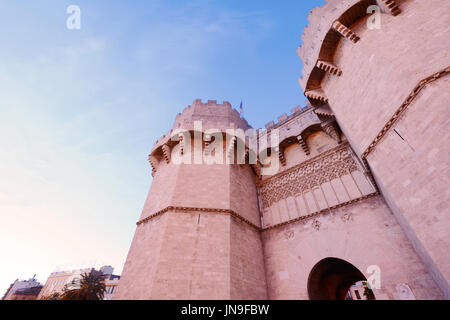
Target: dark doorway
{"x": 332, "y": 278}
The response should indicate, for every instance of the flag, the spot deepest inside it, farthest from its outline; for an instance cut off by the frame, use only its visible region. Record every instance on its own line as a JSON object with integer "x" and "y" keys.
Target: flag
{"x": 241, "y": 109}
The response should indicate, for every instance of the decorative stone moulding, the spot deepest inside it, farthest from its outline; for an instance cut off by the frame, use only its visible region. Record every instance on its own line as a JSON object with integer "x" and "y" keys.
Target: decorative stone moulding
{"x": 419, "y": 87}
{"x": 324, "y": 111}
{"x": 316, "y": 94}
{"x": 334, "y": 163}
{"x": 329, "y": 67}
{"x": 345, "y": 32}
{"x": 193, "y": 209}
{"x": 281, "y": 156}
{"x": 246, "y": 221}
{"x": 392, "y": 7}
{"x": 230, "y": 147}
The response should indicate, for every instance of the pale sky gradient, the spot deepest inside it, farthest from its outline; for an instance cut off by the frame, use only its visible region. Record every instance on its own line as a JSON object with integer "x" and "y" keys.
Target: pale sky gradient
{"x": 81, "y": 109}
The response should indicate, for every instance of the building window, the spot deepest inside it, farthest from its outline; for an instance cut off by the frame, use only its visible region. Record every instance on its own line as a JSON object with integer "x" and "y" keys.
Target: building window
{"x": 357, "y": 295}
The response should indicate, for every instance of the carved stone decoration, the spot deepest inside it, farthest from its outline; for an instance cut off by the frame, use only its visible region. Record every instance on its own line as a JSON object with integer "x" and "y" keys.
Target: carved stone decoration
{"x": 404, "y": 292}
{"x": 316, "y": 224}
{"x": 289, "y": 234}
{"x": 332, "y": 164}
{"x": 347, "y": 216}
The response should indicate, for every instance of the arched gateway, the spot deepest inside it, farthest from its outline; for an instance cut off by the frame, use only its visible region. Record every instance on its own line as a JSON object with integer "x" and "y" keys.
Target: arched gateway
{"x": 332, "y": 278}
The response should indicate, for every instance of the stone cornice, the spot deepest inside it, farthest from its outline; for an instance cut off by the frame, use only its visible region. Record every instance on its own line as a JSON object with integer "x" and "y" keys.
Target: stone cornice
{"x": 247, "y": 222}
{"x": 408, "y": 101}
{"x": 318, "y": 213}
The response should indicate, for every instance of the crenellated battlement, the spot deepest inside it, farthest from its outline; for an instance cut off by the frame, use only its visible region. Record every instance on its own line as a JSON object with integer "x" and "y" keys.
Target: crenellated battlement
{"x": 329, "y": 24}
{"x": 285, "y": 118}
{"x": 213, "y": 115}
{"x": 320, "y": 20}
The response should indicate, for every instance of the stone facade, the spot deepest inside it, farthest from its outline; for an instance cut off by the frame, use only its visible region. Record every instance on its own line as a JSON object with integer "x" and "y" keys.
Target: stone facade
{"x": 391, "y": 101}
{"x": 360, "y": 183}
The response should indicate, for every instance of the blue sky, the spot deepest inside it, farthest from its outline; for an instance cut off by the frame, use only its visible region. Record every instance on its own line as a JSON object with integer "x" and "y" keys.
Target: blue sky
{"x": 81, "y": 109}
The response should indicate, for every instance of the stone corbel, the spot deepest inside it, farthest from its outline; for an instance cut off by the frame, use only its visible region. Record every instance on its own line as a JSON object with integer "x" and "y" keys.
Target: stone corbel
{"x": 329, "y": 67}
{"x": 345, "y": 32}
{"x": 281, "y": 156}
{"x": 303, "y": 144}
{"x": 166, "y": 153}
{"x": 154, "y": 162}
{"x": 392, "y": 6}
{"x": 330, "y": 129}
{"x": 257, "y": 168}
{"x": 316, "y": 94}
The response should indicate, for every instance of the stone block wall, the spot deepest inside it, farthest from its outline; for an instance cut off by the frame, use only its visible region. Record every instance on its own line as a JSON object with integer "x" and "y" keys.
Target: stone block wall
{"x": 391, "y": 102}
{"x": 364, "y": 234}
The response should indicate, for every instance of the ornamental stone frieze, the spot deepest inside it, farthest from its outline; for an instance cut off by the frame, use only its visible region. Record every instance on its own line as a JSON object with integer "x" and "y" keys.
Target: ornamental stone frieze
{"x": 333, "y": 164}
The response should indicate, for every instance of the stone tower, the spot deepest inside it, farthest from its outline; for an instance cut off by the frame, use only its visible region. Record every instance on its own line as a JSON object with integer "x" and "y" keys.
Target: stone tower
{"x": 359, "y": 194}
{"x": 198, "y": 236}
{"x": 389, "y": 91}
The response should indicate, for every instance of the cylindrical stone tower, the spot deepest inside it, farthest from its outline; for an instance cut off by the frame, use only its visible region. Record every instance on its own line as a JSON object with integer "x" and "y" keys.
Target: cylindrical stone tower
{"x": 383, "y": 66}
{"x": 198, "y": 235}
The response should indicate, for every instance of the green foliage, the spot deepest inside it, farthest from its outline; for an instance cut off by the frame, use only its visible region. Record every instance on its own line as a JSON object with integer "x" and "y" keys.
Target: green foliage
{"x": 91, "y": 286}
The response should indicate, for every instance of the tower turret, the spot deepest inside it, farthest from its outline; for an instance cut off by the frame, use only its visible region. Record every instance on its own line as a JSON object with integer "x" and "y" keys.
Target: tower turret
{"x": 198, "y": 235}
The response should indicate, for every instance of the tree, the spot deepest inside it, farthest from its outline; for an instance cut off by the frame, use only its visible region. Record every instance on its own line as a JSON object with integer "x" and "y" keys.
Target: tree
{"x": 91, "y": 286}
